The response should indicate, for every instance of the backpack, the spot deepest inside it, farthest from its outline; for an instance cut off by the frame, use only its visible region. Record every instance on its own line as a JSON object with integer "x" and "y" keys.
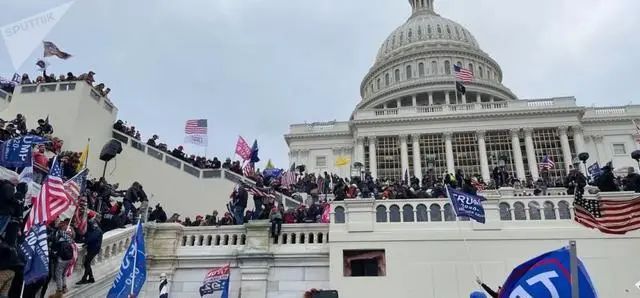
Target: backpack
{"x": 66, "y": 251}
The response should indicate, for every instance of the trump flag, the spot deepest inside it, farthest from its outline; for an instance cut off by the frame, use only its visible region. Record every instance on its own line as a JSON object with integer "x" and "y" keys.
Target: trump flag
{"x": 547, "y": 275}
{"x": 467, "y": 205}
{"x": 133, "y": 270}
{"x": 216, "y": 283}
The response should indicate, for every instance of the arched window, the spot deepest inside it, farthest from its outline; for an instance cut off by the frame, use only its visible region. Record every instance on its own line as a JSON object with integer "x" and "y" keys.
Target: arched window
{"x": 439, "y": 30}
{"x": 449, "y": 214}
{"x": 471, "y": 67}
{"x": 401, "y": 37}
{"x": 563, "y": 210}
{"x": 447, "y": 67}
{"x": 518, "y": 211}
{"x": 434, "y": 67}
{"x": 429, "y": 30}
{"x": 421, "y": 213}
{"x": 396, "y": 75}
{"x": 407, "y": 213}
{"x": 339, "y": 214}
{"x": 435, "y": 212}
{"x": 421, "y": 69}
{"x": 459, "y": 63}
{"x": 480, "y": 71}
{"x": 549, "y": 210}
{"x": 378, "y": 84}
{"x": 419, "y": 32}
{"x": 409, "y": 74}
{"x": 409, "y": 34}
{"x": 534, "y": 211}
{"x": 505, "y": 212}
{"x": 394, "y": 213}
{"x": 381, "y": 213}
{"x": 386, "y": 80}
{"x": 448, "y": 30}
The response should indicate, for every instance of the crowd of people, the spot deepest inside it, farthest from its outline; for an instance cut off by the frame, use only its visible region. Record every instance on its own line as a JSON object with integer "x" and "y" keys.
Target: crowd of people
{"x": 9, "y": 86}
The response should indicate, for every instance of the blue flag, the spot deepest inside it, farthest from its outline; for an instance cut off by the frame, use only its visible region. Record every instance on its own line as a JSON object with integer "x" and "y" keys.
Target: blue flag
{"x": 16, "y": 152}
{"x": 594, "y": 170}
{"x": 36, "y": 253}
{"x": 467, "y": 205}
{"x": 133, "y": 270}
{"x": 547, "y": 275}
{"x": 254, "y": 152}
{"x": 272, "y": 173}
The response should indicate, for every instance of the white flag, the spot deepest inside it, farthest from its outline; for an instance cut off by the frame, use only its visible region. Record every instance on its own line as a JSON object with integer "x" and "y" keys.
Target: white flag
{"x": 200, "y": 140}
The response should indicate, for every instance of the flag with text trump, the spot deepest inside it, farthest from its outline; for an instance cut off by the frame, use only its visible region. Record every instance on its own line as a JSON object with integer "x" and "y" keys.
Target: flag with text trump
{"x": 216, "y": 283}
{"x": 133, "y": 270}
{"x": 242, "y": 149}
{"x": 467, "y": 205}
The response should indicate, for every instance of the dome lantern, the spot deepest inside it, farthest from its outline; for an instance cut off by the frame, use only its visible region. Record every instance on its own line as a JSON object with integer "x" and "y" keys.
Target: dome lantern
{"x": 422, "y": 6}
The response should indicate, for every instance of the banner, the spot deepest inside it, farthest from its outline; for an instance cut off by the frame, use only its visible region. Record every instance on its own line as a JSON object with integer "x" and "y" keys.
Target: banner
{"x": 547, "y": 275}
{"x": 16, "y": 152}
{"x": 594, "y": 170}
{"x": 36, "y": 253}
{"x": 467, "y": 205}
{"x": 133, "y": 270}
{"x": 199, "y": 140}
{"x": 217, "y": 280}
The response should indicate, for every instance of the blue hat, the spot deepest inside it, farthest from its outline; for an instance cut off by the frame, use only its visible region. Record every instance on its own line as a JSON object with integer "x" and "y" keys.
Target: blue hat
{"x": 477, "y": 294}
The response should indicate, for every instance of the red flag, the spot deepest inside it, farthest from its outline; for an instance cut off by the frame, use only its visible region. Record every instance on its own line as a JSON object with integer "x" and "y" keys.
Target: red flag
{"x": 243, "y": 149}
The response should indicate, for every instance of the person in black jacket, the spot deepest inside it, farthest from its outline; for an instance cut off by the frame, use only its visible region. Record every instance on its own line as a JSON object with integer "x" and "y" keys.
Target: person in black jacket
{"x": 632, "y": 181}
{"x": 487, "y": 289}
{"x": 92, "y": 243}
{"x": 240, "y": 198}
{"x": 607, "y": 181}
{"x": 134, "y": 194}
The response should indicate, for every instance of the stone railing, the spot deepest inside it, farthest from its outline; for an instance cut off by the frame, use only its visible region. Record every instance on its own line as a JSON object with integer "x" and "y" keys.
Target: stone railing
{"x": 70, "y": 86}
{"x": 320, "y": 127}
{"x": 452, "y": 109}
{"x": 105, "y": 265}
{"x": 5, "y": 96}
{"x": 191, "y": 170}
{"x": 506, "y": 209}
{"x": 607, "y": 112}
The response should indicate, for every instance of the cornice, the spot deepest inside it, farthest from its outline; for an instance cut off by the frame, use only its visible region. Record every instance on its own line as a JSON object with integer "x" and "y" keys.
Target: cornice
{"x": 467, "y": 116}
{"x": 315, "y": 135}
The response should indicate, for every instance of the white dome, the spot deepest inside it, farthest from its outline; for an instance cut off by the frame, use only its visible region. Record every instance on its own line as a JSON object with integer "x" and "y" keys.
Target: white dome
{"x": 424, "y": 28}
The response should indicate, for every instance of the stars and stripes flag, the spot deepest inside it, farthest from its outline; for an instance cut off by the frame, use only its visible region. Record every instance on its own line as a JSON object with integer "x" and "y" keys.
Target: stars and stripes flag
{"x": 608, "y": 216}
{"x": 196, "y": 127}
{"x": 288, "y": 179}
{"x": 546, "y": 163}
{"x": 462, "y": 74}
{"x": 249, "y": 169}
{"x": 74, "y": 259}
{"x": 52, "y": 200}
{"x": 76, "y": 185}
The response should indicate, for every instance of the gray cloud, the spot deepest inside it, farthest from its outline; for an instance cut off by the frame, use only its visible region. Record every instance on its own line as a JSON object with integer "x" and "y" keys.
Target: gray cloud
{"x": 254, "y": 66}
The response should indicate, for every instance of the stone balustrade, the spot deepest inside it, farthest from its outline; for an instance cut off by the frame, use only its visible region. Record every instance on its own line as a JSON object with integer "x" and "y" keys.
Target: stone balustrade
{"x": 71, "y": 86}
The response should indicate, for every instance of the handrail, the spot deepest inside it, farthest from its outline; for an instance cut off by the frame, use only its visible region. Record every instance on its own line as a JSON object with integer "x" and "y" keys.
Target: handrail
{"x": 191, "y": 170}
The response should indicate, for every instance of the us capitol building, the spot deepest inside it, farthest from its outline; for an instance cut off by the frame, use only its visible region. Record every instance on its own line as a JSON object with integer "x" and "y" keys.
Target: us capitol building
{"x": 410, "y": 118}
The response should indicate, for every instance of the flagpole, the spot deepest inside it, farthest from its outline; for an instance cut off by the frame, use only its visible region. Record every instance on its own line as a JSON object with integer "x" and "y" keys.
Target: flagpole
{"x": 573, "y": 264}
{"x": 135, "y": 259}
{"x": 86, "y": 160}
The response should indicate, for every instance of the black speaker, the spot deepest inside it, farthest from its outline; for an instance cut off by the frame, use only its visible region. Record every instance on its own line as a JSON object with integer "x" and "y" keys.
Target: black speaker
{"x": 110, "y": 150}
{"x": 326, "y": 294}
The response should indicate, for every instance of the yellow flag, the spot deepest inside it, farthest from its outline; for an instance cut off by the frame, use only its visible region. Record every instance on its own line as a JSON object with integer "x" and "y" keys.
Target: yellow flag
{"x": 269, "y": 165}
{"x": 342, "y": 161}
{"x": 83, "y": 158}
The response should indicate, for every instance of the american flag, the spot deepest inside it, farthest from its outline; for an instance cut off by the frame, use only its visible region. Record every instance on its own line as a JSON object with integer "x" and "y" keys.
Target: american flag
{"x": 52, "y": 200}
{"x": 196, "y": 127}
{"x": 288, "y": 178}
{"x": 74, "y": 259}
{"x": 463, "y": 74}
{"x": 76, "y": 185}
{"x": 249, "y": 169}
{"x": 546, "y": 163}
{"x": 608, "y": 216}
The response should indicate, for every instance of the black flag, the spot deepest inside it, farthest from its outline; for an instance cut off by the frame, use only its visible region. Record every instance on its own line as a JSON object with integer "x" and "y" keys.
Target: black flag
{"x": 461, "y": 88}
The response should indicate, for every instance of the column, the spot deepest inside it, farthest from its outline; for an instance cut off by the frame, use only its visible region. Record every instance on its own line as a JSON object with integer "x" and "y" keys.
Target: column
{"x": 417, "y": 161}
{"x": 430, "y": 98}
{"x": 531, "y": 153}
{"x": 414, "y": 100}
{"x": 447, "y": 98}
{"x": 601, "y": 154}
{"x": 360, "y": 150}
{"x": 492, "y": 99}
{"x": 484, "y": 161}
{"x": 566, "y": 148}
{"x": 451, "y": 169}
{"x": 517, "y": 153}
{"x": 398, "y": 103}
{"x": 464, "y": 98}
{"x": 373, "y": 163}
{"x": 404, "y": 155}
{"x": 478, "y": 98}
{"x": 578, "y": 139}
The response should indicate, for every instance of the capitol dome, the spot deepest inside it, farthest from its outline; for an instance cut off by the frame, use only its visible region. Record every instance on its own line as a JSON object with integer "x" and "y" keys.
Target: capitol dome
{"x": 415, "y": 66}
{"x": 426, "y": 27}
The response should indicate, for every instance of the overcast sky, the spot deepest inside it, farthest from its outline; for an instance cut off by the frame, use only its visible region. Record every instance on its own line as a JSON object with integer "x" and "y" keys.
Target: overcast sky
{"x": 252, "y": 67}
